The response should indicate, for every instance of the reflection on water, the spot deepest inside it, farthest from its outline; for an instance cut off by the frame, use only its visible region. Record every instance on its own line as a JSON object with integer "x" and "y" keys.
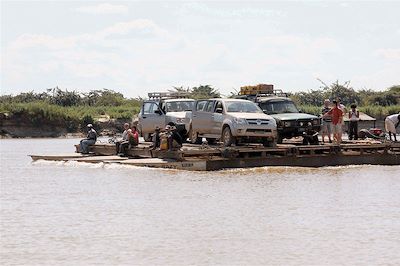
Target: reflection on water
{"x": 76, "y": 213}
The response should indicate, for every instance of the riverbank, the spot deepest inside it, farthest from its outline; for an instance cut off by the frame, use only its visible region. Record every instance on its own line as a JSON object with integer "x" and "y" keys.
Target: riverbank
{"x": 24, "y": 126}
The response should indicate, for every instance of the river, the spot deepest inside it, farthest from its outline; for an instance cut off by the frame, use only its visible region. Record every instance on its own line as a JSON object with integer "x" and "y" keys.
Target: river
{"x": 55, "y": 213}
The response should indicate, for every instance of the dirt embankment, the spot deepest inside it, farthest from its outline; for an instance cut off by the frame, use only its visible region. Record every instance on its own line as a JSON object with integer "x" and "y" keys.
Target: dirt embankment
{"x": 22, "y": 126}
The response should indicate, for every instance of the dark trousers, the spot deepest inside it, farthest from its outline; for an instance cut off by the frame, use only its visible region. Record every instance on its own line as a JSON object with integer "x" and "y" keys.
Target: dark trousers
{"x": 123, "y": 146}
{"x": 353, "y": 130}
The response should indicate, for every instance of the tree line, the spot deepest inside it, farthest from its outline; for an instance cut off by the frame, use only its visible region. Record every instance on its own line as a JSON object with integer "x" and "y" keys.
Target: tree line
{"x": 348, "y": 95}
{"x": 106, "y": 97}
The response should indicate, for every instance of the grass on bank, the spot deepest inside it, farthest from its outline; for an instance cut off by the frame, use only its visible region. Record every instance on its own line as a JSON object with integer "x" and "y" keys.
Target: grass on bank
{"x": 44, "y": 111}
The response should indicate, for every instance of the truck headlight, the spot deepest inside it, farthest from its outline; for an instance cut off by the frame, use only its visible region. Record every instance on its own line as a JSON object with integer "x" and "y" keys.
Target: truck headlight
{"x": 240, "y": 121}
{"x": 287, "y": 124}
{"x": 315, "y": 122}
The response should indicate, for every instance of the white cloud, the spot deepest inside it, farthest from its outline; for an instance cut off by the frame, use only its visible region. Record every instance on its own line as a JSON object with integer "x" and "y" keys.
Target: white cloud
{"x": 139, "y": 26}
{"x": 391, "y": 54}
{"x": 374, "y": 79}
{"x": 199, "y": 8}
{"x": 104, "y": 8}
{"x": 141, "y": 54}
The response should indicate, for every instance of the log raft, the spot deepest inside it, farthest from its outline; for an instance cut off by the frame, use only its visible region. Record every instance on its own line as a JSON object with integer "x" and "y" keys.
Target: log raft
{"x": 207, "y": 158}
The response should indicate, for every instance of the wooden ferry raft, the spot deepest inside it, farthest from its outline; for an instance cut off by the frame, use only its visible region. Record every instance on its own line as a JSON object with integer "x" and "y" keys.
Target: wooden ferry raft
{"x": 205, "y": 158}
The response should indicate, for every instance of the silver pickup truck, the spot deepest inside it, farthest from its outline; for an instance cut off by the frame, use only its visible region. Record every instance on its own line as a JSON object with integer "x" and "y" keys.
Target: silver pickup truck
{"x": 158, "y": 113}
{"x": 231, "y": 121}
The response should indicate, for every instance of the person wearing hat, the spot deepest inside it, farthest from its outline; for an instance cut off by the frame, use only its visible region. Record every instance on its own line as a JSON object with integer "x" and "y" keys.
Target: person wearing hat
{"x": 174, "y": 139}
{"x": 90, "y": 140}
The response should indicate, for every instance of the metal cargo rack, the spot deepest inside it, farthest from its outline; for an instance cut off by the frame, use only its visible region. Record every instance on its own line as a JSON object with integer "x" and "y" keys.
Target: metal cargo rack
{"x": 167, "y": 95}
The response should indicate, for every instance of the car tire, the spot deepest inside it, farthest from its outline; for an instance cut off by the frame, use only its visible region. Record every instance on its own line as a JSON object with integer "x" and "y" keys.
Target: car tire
{"x": 194, "y": 137}
{"x": 227, "y": 138}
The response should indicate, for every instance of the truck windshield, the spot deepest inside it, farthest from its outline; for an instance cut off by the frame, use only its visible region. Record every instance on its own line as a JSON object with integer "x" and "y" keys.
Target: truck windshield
{"x": 242, "y": 107}
{"x": 278, "y": 107}
{"x": 179, "y": 106}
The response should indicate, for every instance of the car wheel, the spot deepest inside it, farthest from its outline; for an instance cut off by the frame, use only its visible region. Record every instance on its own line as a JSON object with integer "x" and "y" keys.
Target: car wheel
{"x": 227, "y": 137}
{"x": 147, "y": 137}
{"x": 194, "y": 137}
{"x": 211, "y": 141}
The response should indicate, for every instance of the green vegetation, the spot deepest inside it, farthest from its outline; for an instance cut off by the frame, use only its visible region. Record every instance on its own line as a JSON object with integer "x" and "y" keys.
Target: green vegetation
{"x": 71, "y": 109}
{"x": 200, "y": 92}
{"x": 377, "y": 104}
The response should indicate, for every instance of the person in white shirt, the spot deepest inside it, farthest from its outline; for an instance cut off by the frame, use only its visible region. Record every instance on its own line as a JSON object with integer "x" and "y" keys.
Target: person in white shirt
{"x": 391, "y": 123}
{"x": 354, "y": 116}
{"x": 344, "y": 111}
{"x": 124, "y": 137}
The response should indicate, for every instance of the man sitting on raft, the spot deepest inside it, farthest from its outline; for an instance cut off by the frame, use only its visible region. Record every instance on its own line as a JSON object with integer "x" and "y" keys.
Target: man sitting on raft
{"x": 90, "y": 140}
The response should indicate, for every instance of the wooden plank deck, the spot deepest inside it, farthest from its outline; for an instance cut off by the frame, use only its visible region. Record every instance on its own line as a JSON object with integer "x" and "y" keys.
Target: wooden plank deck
{"x": 200, "y": 157}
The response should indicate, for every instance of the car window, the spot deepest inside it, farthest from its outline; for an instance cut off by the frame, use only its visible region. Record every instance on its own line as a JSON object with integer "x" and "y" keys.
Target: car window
{"x": 147, "y": 108}
{"x": 178, "y": 106}
{"x": 242, "y": 107}
{"x": 218, "y": 105}
{"x": 278, "y": 107}
{"x": 200, "y": 105}
{"x": 150, "y": 108}
{"x": 209, "y": 107}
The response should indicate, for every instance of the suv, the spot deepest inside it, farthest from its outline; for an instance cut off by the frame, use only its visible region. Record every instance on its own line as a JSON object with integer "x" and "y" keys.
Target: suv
{"x": 290, "y": 121}
{"x": 162, "y": 110}
{"x": 231, "y": 120}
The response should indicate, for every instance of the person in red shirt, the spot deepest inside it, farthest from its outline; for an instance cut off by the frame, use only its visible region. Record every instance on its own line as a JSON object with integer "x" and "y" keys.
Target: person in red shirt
{"x": 133, "y": 136}
{"x": 337, "y": 118}
{"x": 133, "y": 140}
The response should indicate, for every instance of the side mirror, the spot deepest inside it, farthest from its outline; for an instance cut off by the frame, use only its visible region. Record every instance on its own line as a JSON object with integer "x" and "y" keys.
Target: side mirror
{"x": 300, "y": 111}
{"x": 218, "y": 110}
{"x": 158, "y": 111}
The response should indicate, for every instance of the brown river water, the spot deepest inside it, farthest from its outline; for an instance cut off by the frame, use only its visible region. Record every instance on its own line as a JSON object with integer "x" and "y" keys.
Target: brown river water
{"x": 55, "y": 213}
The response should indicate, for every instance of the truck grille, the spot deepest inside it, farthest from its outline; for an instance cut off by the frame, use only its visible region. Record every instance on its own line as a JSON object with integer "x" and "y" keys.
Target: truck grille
{"x": 303, "y": 123}
{"x": 257, "y": 121}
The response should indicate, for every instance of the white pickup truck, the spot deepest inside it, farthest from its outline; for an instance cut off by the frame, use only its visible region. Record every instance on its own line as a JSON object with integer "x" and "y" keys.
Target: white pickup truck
{"x": 158, "y": 113}
{"x": 231, "y": 121}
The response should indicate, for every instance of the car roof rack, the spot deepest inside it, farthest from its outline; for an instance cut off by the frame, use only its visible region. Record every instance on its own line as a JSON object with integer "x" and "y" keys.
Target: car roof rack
{"x": 277, "y": 92}
{"x": 167, "y": 95}
{"x": 254, "y": 97}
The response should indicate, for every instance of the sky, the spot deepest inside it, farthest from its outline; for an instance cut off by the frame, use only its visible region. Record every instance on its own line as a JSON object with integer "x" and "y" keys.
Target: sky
{"x": 136, "y": 47}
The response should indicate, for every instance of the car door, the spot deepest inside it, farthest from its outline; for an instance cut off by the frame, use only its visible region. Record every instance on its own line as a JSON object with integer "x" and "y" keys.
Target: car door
{"x": 217, "y": 118}
{"x": 150, "y": 117}
{"x": 204, "y": 118}
{"x": 198, "y": 108}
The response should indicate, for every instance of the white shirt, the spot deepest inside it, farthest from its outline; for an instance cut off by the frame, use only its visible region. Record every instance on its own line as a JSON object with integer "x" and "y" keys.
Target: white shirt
{"x": 353, "y": 115}
{"x": 394, "y": 118}
{"x": 125, "y": 135}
